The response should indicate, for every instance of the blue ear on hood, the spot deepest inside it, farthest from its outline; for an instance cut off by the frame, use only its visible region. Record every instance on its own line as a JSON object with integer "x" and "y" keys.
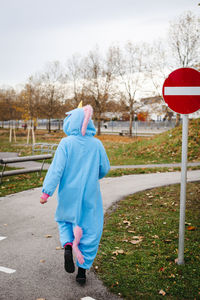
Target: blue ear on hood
{"x": 73, "y": 123}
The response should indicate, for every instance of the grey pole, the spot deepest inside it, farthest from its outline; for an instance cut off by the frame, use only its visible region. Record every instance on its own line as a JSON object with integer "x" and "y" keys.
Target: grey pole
{"x": 183, "y": 190}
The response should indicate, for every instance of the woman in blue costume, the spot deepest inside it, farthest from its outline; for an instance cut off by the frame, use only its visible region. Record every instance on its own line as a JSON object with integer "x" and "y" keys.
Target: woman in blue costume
{"x": 79, "y": 162}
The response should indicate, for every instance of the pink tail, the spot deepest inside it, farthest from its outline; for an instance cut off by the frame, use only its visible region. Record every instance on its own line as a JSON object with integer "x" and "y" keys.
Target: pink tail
{"x": 78, "y": 235}
{"x": 87, "y": 115}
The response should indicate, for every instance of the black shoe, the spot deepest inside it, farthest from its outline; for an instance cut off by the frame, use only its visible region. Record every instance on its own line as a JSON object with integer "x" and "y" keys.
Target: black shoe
{"x": 68, "y": 259}
{"x": 81, "y": 277}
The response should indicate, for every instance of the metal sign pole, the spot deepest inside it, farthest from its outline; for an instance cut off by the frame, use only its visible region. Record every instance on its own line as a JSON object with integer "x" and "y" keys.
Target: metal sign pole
{"x": 183, "y": 190}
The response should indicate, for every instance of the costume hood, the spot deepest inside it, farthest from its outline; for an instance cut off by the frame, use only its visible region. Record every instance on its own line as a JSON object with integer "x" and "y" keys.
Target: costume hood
{"x": 78, "y": 122}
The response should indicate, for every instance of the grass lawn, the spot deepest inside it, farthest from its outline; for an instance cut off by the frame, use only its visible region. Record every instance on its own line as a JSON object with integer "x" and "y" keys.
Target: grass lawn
{"x": 162, "y": 148}
{"x": 136, "y": 258}
{"x": 19, "y": 183}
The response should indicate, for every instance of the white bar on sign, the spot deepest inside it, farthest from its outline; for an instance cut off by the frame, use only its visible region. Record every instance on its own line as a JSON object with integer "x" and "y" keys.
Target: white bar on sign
{"x": 7, "y": 270}
{"x": 182, "y": 91}
{"x": 2, "y": 238}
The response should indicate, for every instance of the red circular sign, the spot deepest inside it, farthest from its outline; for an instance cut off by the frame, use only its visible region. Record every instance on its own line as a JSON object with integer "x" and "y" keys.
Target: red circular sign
{"x": 181, "y": 90}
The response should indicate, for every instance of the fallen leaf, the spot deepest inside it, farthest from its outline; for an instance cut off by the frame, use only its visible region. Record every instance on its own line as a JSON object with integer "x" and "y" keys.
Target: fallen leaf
{"x": 58, "y": 248}
{"x": 48, "y": 236}
{"x": 167, "y": 241}
{"x": 42, "y": 260}
{"x": 131, "y": 231}
{"x": 127, "y": 222}
{"x": 135, "y": 242}
{"x": 176, "y": 260}
{"x": 120, "y": 251}
{"x": 191, "y": 228}
{"x": 138, "y": 237}
{"x": 161, "y": 292}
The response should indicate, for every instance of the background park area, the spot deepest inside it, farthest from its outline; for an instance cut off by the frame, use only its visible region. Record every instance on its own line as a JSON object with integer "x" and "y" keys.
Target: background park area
{"x": 140, "y": 237}
{"x": 115, "y": 56}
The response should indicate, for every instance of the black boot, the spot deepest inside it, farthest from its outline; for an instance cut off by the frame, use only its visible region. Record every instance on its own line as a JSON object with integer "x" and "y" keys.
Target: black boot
{"x": 68, "y": 259}
{"x": 81, "y": 276}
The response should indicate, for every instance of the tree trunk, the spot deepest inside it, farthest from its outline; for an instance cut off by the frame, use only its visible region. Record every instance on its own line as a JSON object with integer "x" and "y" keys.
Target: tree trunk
{"x": 131, "y": 124}
{"x": 49, "y": 126}
{"x": 178, "y": 118}
{"x": 99, "y": 124}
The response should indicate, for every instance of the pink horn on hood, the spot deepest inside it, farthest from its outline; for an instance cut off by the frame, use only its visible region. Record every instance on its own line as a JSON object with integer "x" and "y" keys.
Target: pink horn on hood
{"x": 88, "y": 111}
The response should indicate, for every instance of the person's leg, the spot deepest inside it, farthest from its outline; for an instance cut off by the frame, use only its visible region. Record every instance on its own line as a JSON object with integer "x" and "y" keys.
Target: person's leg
{"x": 81, "y": 276}
{"x": 65, "y": 232}
{"x": 66, "y": 239}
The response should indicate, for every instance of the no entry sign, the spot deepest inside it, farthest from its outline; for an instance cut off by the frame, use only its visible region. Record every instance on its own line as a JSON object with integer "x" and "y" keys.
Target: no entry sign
{"x": 181, "y": 90}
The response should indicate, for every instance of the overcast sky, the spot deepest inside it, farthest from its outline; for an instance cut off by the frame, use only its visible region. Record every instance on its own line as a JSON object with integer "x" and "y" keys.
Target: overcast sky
{"x": 33, "y": 32}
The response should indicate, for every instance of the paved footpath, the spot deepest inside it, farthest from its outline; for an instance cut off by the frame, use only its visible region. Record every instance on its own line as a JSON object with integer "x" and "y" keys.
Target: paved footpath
{"x": 29, "y": 241}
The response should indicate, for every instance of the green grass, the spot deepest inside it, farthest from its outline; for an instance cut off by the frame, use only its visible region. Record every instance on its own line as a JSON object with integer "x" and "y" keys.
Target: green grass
{"x": 143, "y": 269}
{"x": 162, "y": 148}
{"x": 22, "y": 182}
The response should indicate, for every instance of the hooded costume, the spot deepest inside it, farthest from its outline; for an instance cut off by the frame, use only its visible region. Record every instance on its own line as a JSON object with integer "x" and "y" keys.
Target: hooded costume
{"x": 79, "y": 162}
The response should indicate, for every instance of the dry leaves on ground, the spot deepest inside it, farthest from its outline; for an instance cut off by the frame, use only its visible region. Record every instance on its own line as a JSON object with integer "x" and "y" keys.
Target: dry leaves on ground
{"x": 161, "y": 292}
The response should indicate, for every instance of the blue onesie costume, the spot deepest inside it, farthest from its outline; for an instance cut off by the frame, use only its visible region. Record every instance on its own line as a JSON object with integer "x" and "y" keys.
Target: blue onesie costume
{"x": 79, "y": 162}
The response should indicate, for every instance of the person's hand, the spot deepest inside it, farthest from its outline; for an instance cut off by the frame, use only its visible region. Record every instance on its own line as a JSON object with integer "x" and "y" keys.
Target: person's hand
{"x": 43, "y": 201}
{"x": 43, "y": 198}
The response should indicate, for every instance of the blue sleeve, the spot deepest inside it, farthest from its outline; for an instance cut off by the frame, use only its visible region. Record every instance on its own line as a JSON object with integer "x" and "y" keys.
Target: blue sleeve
{"x": 55, "y": 170}
{"x": 104, "y": 162}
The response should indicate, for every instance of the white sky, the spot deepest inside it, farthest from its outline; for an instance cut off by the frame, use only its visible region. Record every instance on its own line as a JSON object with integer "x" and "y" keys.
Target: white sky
{"x": 33, "y": 32}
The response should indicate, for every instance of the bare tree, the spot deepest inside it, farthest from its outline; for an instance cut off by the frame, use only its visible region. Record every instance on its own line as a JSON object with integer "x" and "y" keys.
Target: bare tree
{"x": 52, "y": 92}
{"x": 28, "y": 101}
{"x": 157, "y": 68}
{"x": 98, "y": 76}
{"x": 184, "y": 40}
{"x": 129, "y": 67}
{"x": 74, "y": 75}
{"x": 8, "y": 105}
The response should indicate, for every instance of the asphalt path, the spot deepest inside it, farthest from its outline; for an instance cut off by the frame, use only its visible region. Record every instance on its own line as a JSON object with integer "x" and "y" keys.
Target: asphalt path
{"x": 30, "y": 248}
